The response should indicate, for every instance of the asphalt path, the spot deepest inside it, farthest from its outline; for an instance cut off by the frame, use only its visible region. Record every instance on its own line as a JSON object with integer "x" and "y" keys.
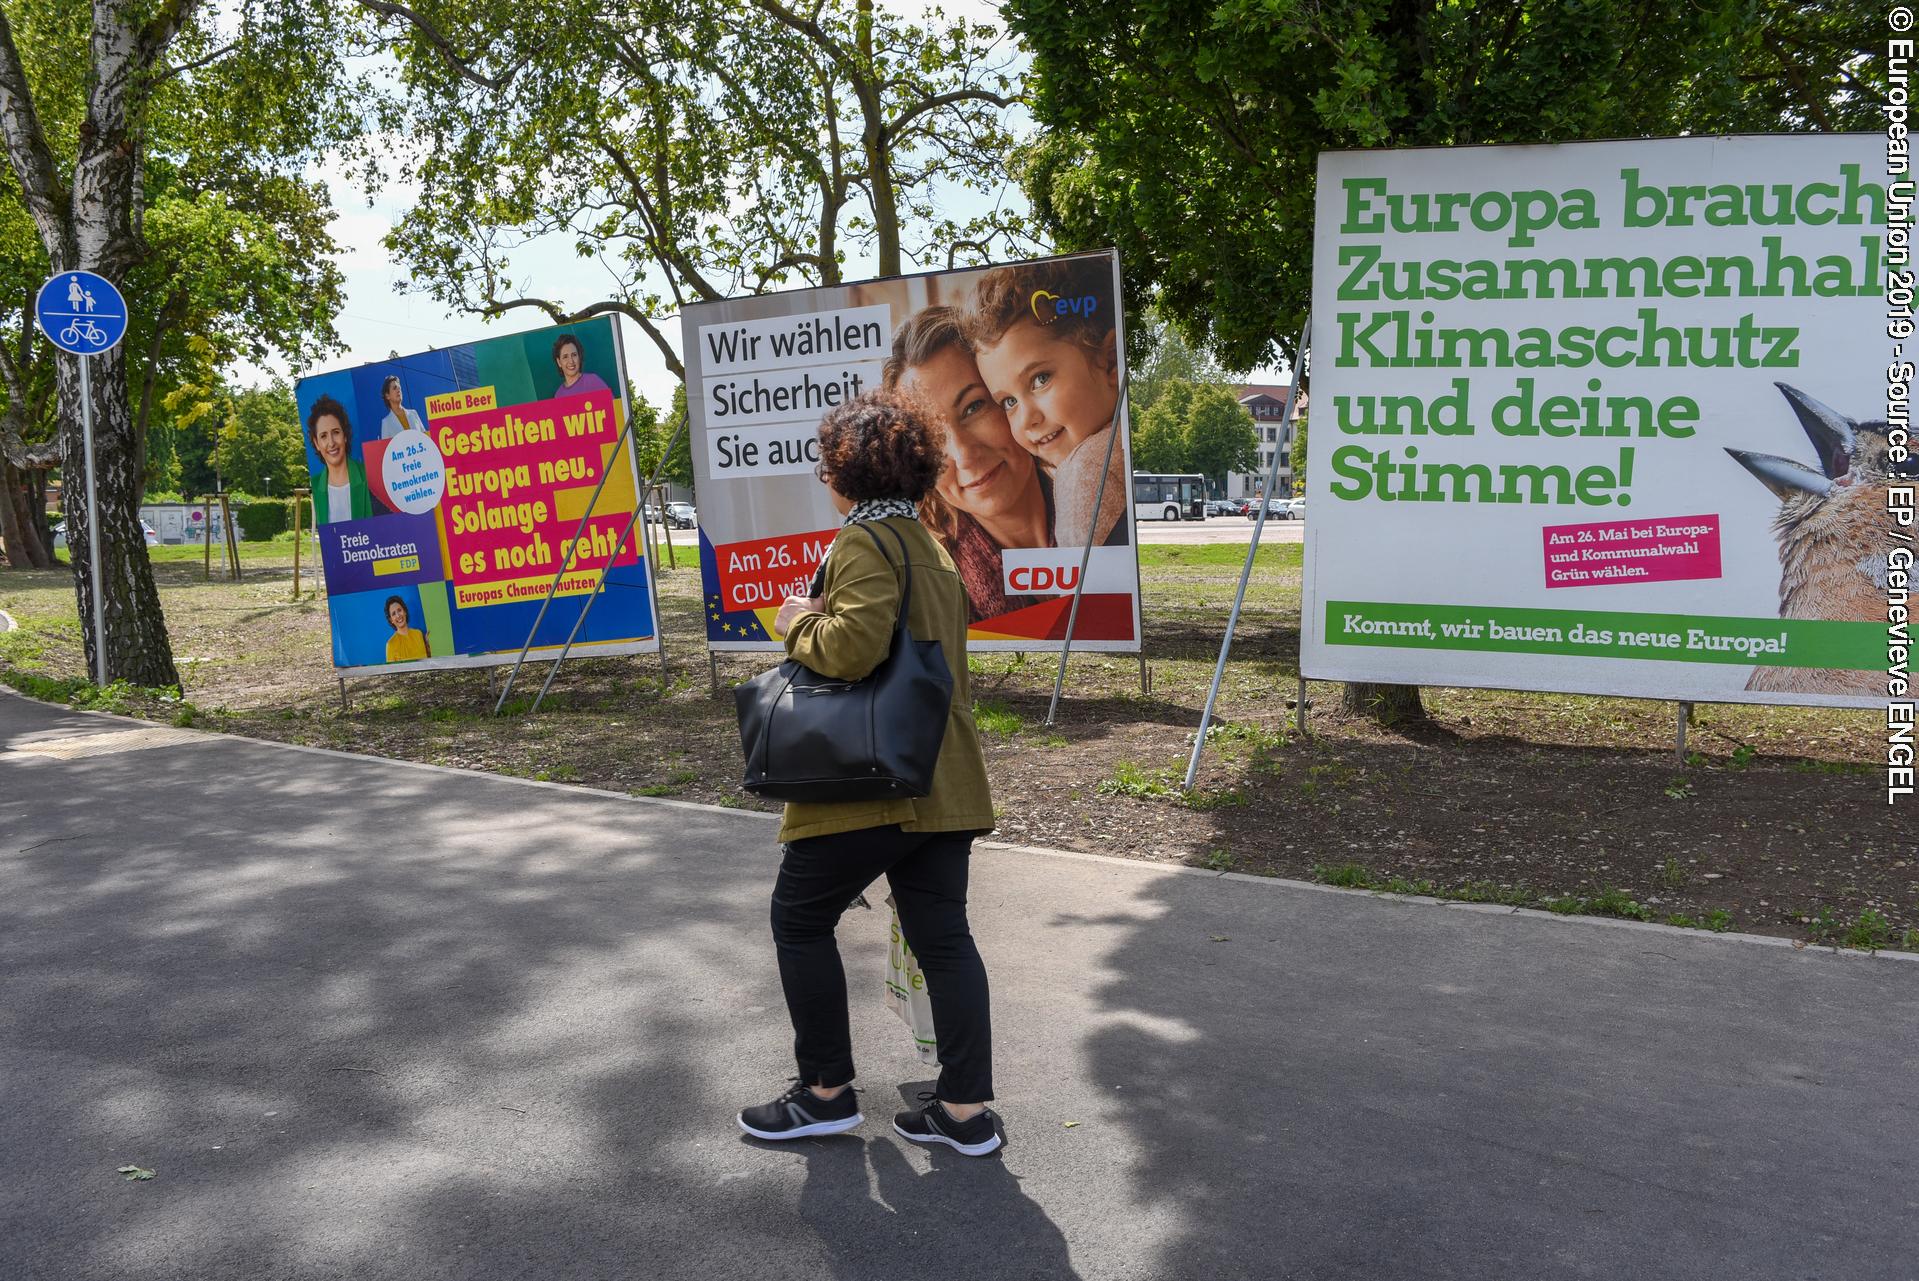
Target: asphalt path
{"x": 370, "y": 1020}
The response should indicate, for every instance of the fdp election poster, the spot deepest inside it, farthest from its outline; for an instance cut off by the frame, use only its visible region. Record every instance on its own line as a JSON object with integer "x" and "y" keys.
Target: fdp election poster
{"x": 1019, "y": 366}
{"x": 448, "y": 487}
{"x": 1605, "y": 418}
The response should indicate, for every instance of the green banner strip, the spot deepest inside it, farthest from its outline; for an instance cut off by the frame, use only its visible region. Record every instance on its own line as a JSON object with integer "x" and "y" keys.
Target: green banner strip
{"x": 1678, "y": 638}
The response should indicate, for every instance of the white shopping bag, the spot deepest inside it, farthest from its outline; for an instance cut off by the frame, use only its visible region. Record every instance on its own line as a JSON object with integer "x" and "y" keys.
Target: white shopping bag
{"x": 906, "y": 991}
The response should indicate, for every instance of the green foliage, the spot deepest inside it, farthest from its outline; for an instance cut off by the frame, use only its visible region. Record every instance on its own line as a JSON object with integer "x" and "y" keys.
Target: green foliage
{"x": 1165, "y": 359}
{"x": 651, "y": 433}
{"x": 1128, "y": 779}
{"x": 1159, "y": 444}
{"x": 1870, "y": 932}
{"x": 1220, "y": 438}
{"x": 1196, "y": 427}
{"x": 1299, "y": 455}
{"x": 233, "y": 257}
{"x": 260, "y": 447}
{"x": 997, "y": 718}
{"x": 695, "y": 149}
{"x": 264, "y": 519}
{"x": 1346, "y": 875}
{"x": 1188, "y": 134}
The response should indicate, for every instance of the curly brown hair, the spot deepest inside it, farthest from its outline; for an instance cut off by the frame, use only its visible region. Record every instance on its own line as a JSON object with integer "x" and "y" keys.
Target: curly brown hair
{"x": 878, "y": 445}
{"x": 1004, "y": 297}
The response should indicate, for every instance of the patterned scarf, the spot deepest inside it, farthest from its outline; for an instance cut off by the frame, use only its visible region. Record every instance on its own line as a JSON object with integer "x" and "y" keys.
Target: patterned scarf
{"x": 871, "y": 509}
{"x": 880, "y": 508}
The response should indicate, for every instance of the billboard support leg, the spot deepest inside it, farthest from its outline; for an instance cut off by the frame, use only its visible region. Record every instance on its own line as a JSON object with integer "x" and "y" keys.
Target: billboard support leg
{"x": 713, "y": 671}
{"x": 1246, "y": 571}
{"x": 566, "y": 563}
{"x": 296, "y": 544}
{"x": 1299, "y": 708}
{"x": 1145, "y": 674}
{"x": 1684, "y": 719}
{"x": 345, "y": 706}
{"x": 586, "y": 606}
{"x": 1086, "y": 554}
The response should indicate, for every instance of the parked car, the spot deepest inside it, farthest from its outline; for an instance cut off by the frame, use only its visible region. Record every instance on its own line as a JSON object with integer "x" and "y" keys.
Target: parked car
{"x": 682, "y": 515}
{"x": 147, "y": 531}
{"x": 1296, "y": 510}
{"x": 1275, "y": 509}
{"x": 1223, "y": 506}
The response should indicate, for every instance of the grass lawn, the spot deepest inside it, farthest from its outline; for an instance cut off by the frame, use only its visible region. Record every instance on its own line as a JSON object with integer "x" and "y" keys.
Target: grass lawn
{"x": 1778, "y": 823}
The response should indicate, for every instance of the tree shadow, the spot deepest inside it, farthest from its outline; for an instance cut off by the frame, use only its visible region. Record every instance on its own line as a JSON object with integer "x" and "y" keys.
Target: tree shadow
{"x": 372, "y": 1021}
{"x": 1325, "y": 1086}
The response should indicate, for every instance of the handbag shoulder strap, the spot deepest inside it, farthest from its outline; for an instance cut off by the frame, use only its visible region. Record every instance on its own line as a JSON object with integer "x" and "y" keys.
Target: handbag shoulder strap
{"x": 906, "y": 563}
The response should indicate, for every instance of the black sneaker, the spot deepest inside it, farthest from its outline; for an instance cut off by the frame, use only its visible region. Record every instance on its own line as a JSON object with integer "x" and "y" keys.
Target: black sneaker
{"x": 799, "y": 1113}
{"x": 975, "y": 1136}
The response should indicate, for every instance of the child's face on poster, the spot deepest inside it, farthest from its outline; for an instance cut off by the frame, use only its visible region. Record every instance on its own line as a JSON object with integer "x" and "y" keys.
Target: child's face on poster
{"x": 1056, "y": 390}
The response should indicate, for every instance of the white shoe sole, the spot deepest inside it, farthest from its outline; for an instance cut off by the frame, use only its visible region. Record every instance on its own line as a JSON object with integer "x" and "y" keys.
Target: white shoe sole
{"x": 969, "y": 1149}
{"x": 804, "y": 1131}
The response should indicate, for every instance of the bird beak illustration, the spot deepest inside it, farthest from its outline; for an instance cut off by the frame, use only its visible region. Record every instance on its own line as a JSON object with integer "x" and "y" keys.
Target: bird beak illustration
{"x": 1831, "y": 432}
{"x": 1784, "y": 477}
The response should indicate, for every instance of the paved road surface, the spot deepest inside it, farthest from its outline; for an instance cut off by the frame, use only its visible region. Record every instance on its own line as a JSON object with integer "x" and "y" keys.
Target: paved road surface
{"x": 367, "y": 1020}
{"x": 1219, "y": 529}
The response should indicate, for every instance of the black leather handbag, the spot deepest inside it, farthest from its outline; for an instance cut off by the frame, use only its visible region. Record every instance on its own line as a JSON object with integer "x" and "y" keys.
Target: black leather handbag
{"x": 809, "y": 737}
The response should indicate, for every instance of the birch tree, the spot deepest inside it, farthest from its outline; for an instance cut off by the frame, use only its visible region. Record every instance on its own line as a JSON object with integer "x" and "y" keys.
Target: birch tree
{"x": 158, "y": 143}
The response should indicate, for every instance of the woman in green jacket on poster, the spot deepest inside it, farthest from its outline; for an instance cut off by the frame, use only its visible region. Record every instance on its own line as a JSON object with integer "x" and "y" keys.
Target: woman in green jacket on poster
{"x": 339, "y": 486}
{"x": 878, "y": 458}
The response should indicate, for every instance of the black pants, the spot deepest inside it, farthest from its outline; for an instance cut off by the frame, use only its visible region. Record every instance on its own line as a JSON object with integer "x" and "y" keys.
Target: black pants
{"x": 819, "y": 878}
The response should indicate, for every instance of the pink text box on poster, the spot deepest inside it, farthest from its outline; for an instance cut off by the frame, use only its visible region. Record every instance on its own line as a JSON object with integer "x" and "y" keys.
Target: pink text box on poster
{"x": 1663, "y": 549}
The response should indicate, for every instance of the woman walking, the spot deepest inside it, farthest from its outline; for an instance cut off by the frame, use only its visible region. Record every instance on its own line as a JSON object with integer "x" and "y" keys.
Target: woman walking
{"x": 879, "y": 458}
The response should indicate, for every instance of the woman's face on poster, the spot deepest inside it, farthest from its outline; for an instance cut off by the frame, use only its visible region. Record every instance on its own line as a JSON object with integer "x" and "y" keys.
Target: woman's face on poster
{"x": 396, "y": 616}
{"x": 986, "y": 473}
{"x": 329, "y": 440}
{"x": 391, "y": 394}
{"x": 569, "y": 362}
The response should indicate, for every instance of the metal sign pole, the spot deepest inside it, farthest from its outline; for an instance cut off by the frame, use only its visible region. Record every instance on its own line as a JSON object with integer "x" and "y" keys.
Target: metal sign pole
{"x": 1086, "y": 553}
{"x": 93, "y": 528}
{"x": 1246, "y": 572}
{"x": 83, "y": 314}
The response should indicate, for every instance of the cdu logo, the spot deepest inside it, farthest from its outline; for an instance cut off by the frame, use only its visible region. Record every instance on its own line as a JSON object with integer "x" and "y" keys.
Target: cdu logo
{"x": 1049, "y": 307}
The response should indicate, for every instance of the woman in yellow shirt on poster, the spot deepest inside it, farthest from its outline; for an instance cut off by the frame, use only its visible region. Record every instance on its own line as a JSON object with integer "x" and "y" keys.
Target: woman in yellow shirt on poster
{"x": 407, "y": 642}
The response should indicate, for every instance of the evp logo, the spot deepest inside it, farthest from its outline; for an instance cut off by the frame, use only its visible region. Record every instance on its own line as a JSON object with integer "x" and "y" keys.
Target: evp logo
{"x": 1049, "y": 307}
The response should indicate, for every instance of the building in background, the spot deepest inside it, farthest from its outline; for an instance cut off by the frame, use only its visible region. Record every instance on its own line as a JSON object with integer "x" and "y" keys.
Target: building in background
{"x": 1266, "y": 402}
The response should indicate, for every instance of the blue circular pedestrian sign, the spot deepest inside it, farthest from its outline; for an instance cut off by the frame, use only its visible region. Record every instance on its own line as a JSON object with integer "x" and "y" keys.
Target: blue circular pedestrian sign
{"x": 81, "y": 313}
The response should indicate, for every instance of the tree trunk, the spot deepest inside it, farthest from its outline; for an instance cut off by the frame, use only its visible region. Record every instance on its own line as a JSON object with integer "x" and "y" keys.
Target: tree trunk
{"x": 37, "y": 512}
{"x": 25, "y": 549}
{"x": 1383, "y": 704}
{"x": 137, "y": 648}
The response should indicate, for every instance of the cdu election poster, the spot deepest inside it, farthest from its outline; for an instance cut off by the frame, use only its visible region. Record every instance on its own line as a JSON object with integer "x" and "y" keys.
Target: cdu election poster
{"x": 1608, "y": 418}
{"x": 449, "y": 486}
{"x": 1019, "y": 367}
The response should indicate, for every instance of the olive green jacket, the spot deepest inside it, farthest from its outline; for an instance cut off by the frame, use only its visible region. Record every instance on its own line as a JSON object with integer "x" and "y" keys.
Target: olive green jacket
{"x": 853, "y": 637}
